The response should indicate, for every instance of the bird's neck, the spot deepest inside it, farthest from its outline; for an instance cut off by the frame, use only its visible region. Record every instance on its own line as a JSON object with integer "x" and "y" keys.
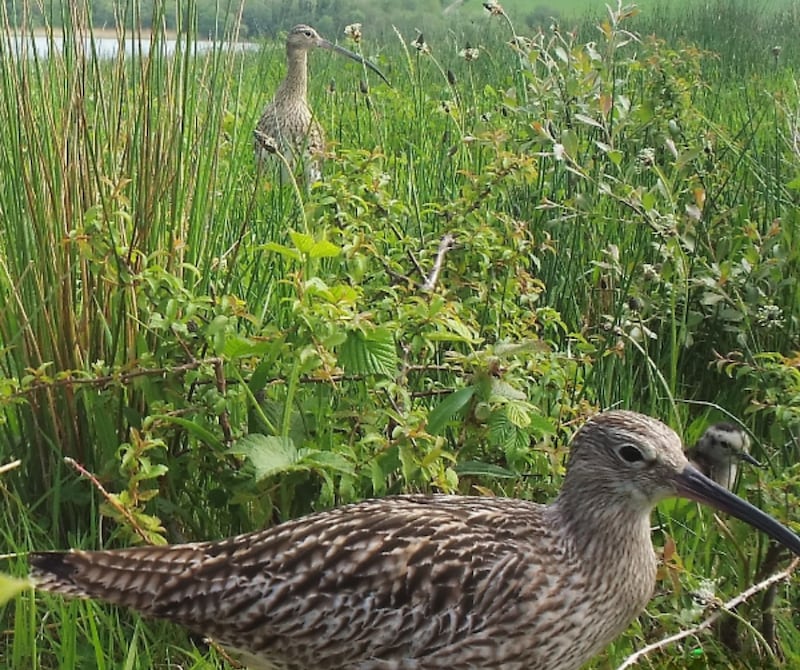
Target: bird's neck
{"x": 612, "y": 558}
{"x": 295, "y": 84}
{"x": 612, "y": 533}
{"x": 724, "y": 474}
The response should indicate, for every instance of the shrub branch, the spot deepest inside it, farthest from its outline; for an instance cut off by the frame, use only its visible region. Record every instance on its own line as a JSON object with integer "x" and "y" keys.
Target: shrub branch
{"x": 727, "y": 607}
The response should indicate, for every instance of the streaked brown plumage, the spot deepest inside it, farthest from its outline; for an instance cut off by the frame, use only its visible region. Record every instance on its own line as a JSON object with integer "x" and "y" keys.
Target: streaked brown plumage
{"x": 718, "y": 452}
{"x": 428, "y": 582}
{"x": 287, "y": 123}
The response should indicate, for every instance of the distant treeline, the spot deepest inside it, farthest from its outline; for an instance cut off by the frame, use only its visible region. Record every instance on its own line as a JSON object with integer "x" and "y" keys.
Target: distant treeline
{"x": 264, "y": 18}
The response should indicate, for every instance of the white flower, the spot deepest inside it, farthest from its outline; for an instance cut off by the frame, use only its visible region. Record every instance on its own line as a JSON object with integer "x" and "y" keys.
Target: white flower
{"x": 469, "y": 53}
{"x": 353, "y": 31}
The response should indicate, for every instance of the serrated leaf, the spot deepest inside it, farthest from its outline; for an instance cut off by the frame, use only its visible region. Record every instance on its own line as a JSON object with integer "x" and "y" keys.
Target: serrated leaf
{"x": 502, "y": 432}
{"x": 269, "y": 454}
{"x": 440, "y": 415}
{"x": 11, "y": 586}
{"x": 504, "y": 390}
{"x": 369, "y": 353}
{"x": 518, "y": 414}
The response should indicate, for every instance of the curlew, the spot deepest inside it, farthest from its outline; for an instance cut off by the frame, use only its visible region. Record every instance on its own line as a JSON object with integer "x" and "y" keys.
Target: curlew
{"x": 428, "y": 582}
{"x": 287, "y": 124}
{"x": 718, "y": 452}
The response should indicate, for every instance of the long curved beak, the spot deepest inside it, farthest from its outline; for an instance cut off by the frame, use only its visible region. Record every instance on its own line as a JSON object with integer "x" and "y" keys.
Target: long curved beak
{"x": 693, "y": 484}
{"x": 325, "y": 44}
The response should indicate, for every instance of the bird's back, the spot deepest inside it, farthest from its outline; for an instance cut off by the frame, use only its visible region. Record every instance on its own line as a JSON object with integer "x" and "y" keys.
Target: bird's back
{"x": 406, "y": 582}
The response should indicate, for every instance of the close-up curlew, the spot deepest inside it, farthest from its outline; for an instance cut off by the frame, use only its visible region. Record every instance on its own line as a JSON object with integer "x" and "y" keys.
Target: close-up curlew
{"x": 287, "y": 124}
{"x": 433, "y": 582}
{"x": 719, "y": 451}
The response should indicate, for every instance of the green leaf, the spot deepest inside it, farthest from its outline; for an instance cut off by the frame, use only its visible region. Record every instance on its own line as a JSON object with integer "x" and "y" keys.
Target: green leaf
{"x": 270, "y": 455}
{"x": 481, "y": 469}
{"x": 518, "y": 414}
{"x": 449, "y": 407}
{"x": 193, "y": 428}
{"x": 588, "y": 120}
{"x": 502, "y": 432}
{"x": 503, "y": 390}
{"x": 794, "y": 184}
{"x": 302, "y": 242}
{"x": 282, "y": 250}
{"x": 541, "y": 424}
{"x": 326, "y": 460}
{"x": 569, "y": 138}
{"x": 11, "y": 586}
{"x": 324, "y": 249}
{"x": 237, "y": 346}
{"x": 370, "y": 353}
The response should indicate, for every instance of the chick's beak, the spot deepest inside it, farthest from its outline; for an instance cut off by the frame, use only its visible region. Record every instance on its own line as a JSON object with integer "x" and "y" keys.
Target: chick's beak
{"x": 747, "y": 457}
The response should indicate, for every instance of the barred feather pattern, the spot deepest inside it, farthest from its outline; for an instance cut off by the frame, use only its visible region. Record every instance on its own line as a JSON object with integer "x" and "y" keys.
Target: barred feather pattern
{"x": 425, "y": 582}
{"x": 287, "y": 121}
{"x": 404, "y": 582}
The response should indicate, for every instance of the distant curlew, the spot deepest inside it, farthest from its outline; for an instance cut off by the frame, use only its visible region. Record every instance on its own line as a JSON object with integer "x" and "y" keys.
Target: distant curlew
{"x": 428, "y": 582}
{"x": 718, "y": 452}
{"x": 287, "y": 123}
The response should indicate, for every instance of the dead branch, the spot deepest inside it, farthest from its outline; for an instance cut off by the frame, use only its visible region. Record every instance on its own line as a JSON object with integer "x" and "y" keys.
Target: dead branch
{"x": 110, "y": 499}
{"x": 118, "y": 378}
{"x": 10, "y": 466}
{"x": 729, "y": 606}
{"x": 444, "y": 246}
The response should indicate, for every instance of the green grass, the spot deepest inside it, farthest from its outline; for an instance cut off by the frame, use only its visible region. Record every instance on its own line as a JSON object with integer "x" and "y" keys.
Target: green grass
{"x": 224, "y": 353}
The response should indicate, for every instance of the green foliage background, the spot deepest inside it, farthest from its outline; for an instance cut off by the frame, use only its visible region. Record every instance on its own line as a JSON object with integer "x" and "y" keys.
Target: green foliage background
{"x": 224, "y": 351}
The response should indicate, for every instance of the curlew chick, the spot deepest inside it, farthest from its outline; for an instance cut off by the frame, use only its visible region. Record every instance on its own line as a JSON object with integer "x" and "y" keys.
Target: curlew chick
{"x": 428, "y": 582}
{"x": 287, "y": 124}
{"x": 718, "y": 452}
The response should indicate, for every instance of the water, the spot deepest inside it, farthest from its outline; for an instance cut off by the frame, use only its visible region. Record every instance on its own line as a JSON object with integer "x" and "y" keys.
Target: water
{"x": 109, "y": 47}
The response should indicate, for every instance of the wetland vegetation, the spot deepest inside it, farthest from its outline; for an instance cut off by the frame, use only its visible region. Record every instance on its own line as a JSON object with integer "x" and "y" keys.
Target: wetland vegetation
{"x": 222, "y": 351}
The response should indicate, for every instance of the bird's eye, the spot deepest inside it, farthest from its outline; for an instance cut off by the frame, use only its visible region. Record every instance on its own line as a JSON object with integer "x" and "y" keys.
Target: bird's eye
{"x": 630, "y": 453}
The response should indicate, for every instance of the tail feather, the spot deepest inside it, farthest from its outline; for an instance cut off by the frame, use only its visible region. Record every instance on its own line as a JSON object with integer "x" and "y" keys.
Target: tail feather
{"x": 52, "y": 571}
{"x": 133, "y": 577}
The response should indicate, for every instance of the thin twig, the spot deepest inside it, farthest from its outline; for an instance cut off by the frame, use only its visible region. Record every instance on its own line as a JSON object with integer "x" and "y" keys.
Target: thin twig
{"x": 223, "y": 652}
{"x": 727, "y": 607}
{"x": 276, "y": 381}
{"x": 10, "y": 466}
{"x": 122, "y": 378}
{"x": 415, "y": 262}
{"x": 113, "y": 502}
{"x": 110, "y": 499}
{"x": 444, "y": 246}
{"x": 430, "y": 393}
{"x": 224, "y": 419}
